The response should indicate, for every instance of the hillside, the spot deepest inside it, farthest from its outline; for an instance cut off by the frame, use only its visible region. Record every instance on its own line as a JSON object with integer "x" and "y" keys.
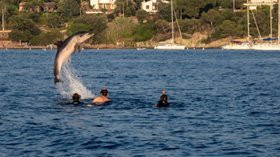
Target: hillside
{"x": 204, "y": 23}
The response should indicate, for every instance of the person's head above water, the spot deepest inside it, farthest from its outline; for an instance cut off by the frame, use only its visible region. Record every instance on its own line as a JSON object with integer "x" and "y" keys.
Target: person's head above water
{"x": 164, "y": 92}
{"x": 76, "y": 97}
{"x": 104, "y": 92}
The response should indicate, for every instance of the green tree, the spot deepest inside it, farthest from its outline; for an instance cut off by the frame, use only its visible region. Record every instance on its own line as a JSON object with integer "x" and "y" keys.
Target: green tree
{"x": 77, "y": 27}
{"x": 17, "y": 35}
{"x": 34, "y": 16}
{"x": 53, "y": 20}
{"x": 164, "y": 11}
{"x": 180, "y": 7}
{"x": 9, "y": 8}
{"x": 211, "y": 17}
{"x": 142, "y": 15}
{"x": 120, "y": 30}
{"x": 227, "y": 28}
{"x": 46, "y": 38}
{"x": 13, "y": 2}
{"x": 23, "y": 24}
{"x": 68, "y": 8}
{"x": 97, "y": 23}
{"x": 137, "y": 4}
{"x": 143, "y": 32}
{"x": 24, "y": 28}
{"x": 193, "y": 8}
{"x": 225, "y": 4}
{"x": 191, "y": 26}
{"x": 93, "y": 23}
{"x": 162, "y": 26}
{"x": 126, "y": 7}
{"x": 34, "y": 4}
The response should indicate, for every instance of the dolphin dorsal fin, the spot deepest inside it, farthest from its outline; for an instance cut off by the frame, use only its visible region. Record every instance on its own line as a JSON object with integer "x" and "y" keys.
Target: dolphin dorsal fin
{"x": 58, "y": 44}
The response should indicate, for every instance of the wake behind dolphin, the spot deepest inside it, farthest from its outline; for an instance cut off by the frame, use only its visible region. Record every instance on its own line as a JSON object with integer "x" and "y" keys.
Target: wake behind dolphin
{"x": 72, "y": 84}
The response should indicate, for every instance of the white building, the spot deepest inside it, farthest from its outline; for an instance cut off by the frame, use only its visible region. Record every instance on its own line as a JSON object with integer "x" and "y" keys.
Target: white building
{"x": 151, "y": 6}
{"x": 102, "y": 6}
{"x": 263, "y": 1}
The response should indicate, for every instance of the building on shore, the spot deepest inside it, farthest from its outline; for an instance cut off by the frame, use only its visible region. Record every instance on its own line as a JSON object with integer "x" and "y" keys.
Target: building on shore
{"x": 100, "y": 6}
{"x": 45, "y": 7}
{"x": 263, "y": 1}
{"x": 85, "y": 6}
{"x": 151, "y": 6}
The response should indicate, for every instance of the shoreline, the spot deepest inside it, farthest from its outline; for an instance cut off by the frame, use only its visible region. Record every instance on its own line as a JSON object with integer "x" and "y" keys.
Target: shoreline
{"x": 96, "y": 47}
{"x": 6, "y": 44}
{"x": 109, "y": 48}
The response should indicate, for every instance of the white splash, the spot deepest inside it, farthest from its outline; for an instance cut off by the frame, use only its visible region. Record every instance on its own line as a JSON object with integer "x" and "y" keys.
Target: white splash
{"x": 71, "y": 83}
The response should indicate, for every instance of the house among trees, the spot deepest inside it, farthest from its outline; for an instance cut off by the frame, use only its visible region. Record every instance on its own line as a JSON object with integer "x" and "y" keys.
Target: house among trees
{"x": 101, "y": 6}
{"x": 45, "y": 7}
{"x": 151, "y": 6}
{"x": 85, "y": 6}
{"x": 49, "y": 7}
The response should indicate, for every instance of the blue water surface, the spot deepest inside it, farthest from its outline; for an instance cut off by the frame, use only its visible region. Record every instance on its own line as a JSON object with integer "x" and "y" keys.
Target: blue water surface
{"x": 222, "y": 103}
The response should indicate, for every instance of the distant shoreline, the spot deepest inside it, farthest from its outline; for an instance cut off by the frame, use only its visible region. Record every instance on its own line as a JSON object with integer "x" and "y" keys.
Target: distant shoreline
{"x": 189, "y": 44}
{"x": 128, "y": 48}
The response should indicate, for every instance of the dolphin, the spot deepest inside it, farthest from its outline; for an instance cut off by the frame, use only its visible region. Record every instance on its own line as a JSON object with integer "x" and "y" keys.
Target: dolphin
{"x": 66, "y": 48}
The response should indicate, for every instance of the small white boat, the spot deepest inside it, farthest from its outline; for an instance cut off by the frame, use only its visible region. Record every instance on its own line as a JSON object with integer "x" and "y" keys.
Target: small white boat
{"x": 169, "y": 47}
{"x": 141, "y": 48}
{"x": 243, "y": 46}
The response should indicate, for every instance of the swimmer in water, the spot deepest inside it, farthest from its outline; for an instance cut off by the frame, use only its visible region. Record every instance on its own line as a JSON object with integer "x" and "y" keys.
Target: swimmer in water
{"x": 103, "y": 98}
{"x": 76, "y": 98}
{"x": 163, "y": 102}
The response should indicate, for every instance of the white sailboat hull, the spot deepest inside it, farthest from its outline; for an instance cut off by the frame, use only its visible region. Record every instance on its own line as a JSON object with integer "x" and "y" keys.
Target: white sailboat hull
{"x": 170, "y": 47}
{"x": 237, "y": 47}
{"x": 262, "y": 47}
{"x": 266, "y": 47}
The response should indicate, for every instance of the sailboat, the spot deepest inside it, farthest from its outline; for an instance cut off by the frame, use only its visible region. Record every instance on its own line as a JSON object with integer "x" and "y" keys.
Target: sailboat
{"x": 264, "y": 46}
{"x": 172, "y": 45}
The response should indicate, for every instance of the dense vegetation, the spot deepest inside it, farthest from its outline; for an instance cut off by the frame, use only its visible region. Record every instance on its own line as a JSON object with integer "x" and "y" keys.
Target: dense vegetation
{"x": 215, "y": 17}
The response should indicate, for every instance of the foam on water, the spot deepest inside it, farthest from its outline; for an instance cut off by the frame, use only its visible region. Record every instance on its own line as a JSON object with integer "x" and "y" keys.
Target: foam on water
{"x": 71, "y": 83}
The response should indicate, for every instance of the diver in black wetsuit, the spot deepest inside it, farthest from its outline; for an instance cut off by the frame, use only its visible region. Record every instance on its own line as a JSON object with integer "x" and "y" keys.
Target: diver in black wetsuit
{"x": 163, "y": 102}
{"x": 76, "y": 98}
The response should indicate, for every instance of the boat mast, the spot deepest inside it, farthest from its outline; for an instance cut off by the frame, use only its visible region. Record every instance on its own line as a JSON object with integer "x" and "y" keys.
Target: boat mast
{"x": 172, "y": 21}
{"x": 278, "y": 21}
{"x": 270, "y": 12}
{"x": 3, "y": 18}
{"x": 255, "y": 20}
{"x": 233, "y": 5}
{"x": 248, "y": 21}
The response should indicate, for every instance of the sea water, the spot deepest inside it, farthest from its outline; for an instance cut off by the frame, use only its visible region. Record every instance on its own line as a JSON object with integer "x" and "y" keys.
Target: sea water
{"x": 222, "y": 103}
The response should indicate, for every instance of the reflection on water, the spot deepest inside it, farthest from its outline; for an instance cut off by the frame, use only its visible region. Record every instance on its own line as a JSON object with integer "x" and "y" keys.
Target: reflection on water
{"x": 222, "y": 103}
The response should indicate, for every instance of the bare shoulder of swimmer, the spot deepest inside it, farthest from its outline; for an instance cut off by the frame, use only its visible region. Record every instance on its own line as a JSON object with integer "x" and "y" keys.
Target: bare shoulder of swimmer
{"x": 98, "y": 99}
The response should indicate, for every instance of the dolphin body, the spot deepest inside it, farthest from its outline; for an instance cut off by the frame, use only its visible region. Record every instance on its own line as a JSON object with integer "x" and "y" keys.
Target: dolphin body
{"x": 65, "y": 49}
